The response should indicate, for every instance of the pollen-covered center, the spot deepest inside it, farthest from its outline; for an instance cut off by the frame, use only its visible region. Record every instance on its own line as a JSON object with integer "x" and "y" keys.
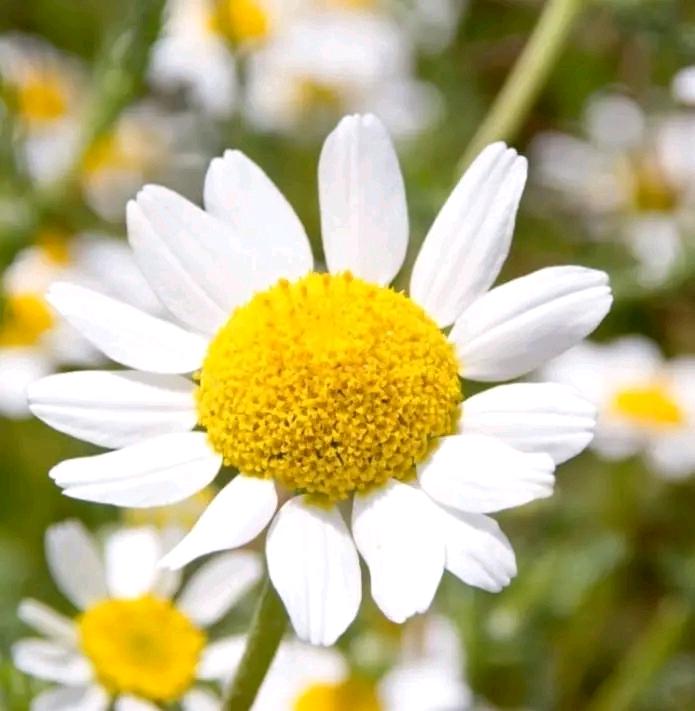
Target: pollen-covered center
{"x": 142, "y": 646}
{"x": 650, "y": 405}
{"x": 329, "y": 385}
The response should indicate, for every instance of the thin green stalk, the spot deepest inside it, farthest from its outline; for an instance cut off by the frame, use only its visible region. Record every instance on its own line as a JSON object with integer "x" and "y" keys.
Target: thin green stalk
{"x": 266, "y": 631}
{"x": 638, "y": 668}
{"x": 527, "y": 78}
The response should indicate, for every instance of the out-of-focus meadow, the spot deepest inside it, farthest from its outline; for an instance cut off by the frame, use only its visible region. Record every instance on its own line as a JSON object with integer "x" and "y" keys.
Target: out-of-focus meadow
{"x": 601, "y": 614}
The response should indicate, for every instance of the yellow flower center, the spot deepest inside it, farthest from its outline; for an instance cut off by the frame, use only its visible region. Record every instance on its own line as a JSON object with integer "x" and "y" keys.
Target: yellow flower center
{"x": 241, "y": 21}
{"x": 313, "y": 96}
{"x": 109, "y": 153}
{"x": 350, "y": 695}
{"x": 42, "y": 97}
{"x": 329, "y": 385}
{"x": 650, "y": 406}
{"x": 142, "y": 646}
{"x": 55, "y": 245}
{"x": 651, "y": 189}
{"x": 25, "y": 319}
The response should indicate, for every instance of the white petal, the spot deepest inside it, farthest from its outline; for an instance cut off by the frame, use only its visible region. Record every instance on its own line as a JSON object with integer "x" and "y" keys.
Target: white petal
{"x": 477, "y": 551}
{"x": 199, "y": 266}
{"x": 237, "y": 191}
{"x": 19, "y": 368}
{"x": 221, "y": 657}
{"x": 398, "y": 532}
{"x": 234, "y": 517}
{"x": 126, "y": 334}
{"x": 423, "y": 686}
{"x": 518, "y": 326}
{"x": 219, "y": 584}
{"x": 51, "y": 661}
{"x": 75, "y": 563}
{"x": 469, "y": 240}
{"x": 80, "y": 698}
{"x": 131, "y": 703}
{"x": 479, "y": 474}
{"x": 532, "y": 417}
{"x": 683, "y": 86}
{"x": 156, "y": 472}
{"x": 47, "y": 621}
{"x": 201, "y": 700}
{"x": 364, "y": 215}
{"x": 131, "y": 557}
{"x": 313, "y": 564}
{"x": 114, "y": 408}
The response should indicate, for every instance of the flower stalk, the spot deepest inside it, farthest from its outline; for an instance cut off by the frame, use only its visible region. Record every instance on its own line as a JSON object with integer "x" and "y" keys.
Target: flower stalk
{"x": 529, "y": 74}
{"x": 266, "y": 631}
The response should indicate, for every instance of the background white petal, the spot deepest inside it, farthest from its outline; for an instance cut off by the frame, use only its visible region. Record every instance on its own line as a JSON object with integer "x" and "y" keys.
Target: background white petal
{"x": 114, "y": 408}
{"x": 479, "y": 474}
{"x": 241, "y": 510}
{"x": 313, "y": 564}
{"x": 518, "y": 326}
{"x": 131, "y": 556}
{"x": 220, "y": 658}
{"x": 219, "y": 584}
{"x": 201, "y": 700}
{"x": 364, "y": 215}
{"x": 76, "y": 698}
{"x": 131, "y": 703}
{"x": 532, "y": 417}
{"x": 127, "y": 335}
{"x": 405, "y": 559}
{"x": 47, "y": 621}
{"x": 423, "y": 687}
{"x": 51, "y": 661}
{"x": 19, "y": 367}
{"x": 477, "y": 551}
{"x": 237, "y": 191}
{"x": 157, "y": 472}
{"x": 470, "y": 237}
{"x": 75, "y": 563}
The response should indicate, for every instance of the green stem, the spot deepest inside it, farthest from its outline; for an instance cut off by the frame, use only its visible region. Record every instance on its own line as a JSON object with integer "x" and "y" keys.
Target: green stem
{"x": 266, "y": 631}
{"x": 640, "y": 665}
{"x": 527, "y": 78}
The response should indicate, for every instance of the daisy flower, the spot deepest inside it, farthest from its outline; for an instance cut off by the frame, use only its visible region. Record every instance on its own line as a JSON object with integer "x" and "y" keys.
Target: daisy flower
{"x": 632, "y": 174}
{"x": 426, "y": 677}
{"x": 141, "y": 146}
{"x": 199, "y": 41}
{"x": 34, "y": 340}
{"x": 334, "y": 61}
{"x": 45, "y": 90}
{"x": 645, "y": 403}
{"x": 332, "y": 394}
{"x": 132, "y": 643}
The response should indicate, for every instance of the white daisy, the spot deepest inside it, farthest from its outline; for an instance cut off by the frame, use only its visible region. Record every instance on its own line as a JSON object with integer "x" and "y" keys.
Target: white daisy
{"x": 331, "y": 389}
{"x": 633, "y": 175}
{"x": 645, "y": 403}
{"x": 332, "y": 62}
{"x": 146, "y": 143}
{"x": 131, "y": 643}
{"x": 198, "y": 43}
{"x": 34, "y": 340}
{"x": 46, "y": 92}
{"x": 427, "y": 677}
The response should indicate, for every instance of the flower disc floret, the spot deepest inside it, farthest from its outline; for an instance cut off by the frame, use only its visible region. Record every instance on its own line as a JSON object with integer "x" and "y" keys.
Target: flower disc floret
{"x": 142, "y": 646}
{"x": 329, "y": 385}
